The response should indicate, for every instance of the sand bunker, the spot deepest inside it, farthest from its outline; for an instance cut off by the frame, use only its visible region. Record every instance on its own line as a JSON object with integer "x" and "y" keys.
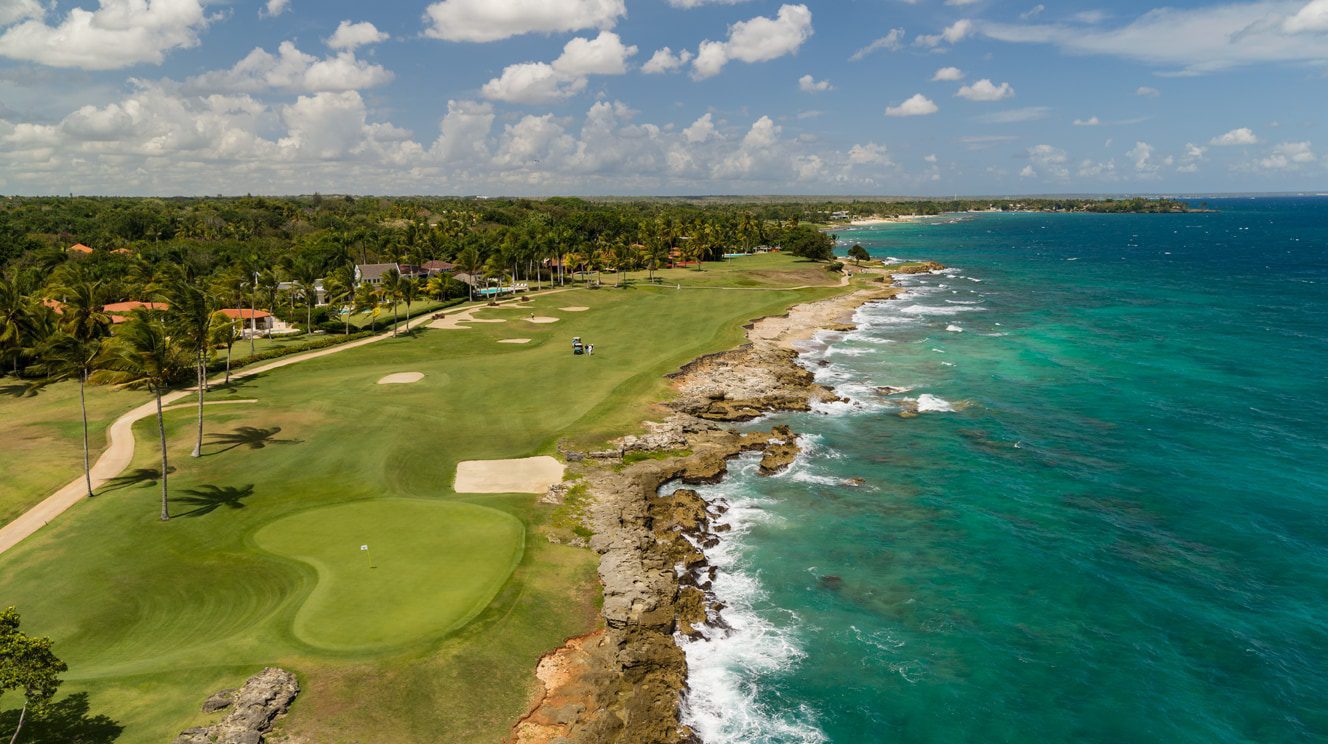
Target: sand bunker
{"x": 574, "y": 309}
{"x": 529, "y": 475}
{"x": 514, "y": 341}
{"x": 486, "y": 320}
{"x": 542, "y": 319}
{"x": 402, "y": 378}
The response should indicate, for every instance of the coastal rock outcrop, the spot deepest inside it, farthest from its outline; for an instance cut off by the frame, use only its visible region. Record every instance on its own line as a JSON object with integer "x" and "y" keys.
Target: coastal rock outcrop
{"x": 253, "y": 708}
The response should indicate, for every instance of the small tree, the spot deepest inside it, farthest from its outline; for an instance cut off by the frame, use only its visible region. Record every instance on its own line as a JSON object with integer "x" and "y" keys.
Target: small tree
{"x": 858, "y": 253}
{"x": 27, "y": 664}
{"x": 225, "y": 332}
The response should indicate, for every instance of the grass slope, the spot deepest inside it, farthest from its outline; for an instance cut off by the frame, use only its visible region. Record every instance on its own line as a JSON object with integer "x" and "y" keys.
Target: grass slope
{"x": 152, "y": 616}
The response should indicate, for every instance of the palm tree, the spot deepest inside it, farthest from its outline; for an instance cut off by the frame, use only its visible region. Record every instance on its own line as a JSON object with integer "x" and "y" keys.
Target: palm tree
{"x": 340, "y": 290}
{"x": 471, "y": 262}
{"x": 15, "y": 318}
{"x": 63, "y": 356}
{"x": 225, "y": 332}
{"x": 75, "y": 349}
{"x": 410, "y": 291}
{"x": 191, "y": 316}
{"x": 391, "y": 285}
{"x": 366, "y": 301}
{"x": 305, "y": 277}
{"x": 144, "y": 353}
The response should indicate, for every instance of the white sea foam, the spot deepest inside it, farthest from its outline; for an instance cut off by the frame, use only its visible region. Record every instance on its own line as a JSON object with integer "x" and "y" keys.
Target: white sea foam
{"x": 928, "y": 403}
{"x": 725, "y": 669}
{"x": 954, "y": 328}
{"x": 937, "y": 310}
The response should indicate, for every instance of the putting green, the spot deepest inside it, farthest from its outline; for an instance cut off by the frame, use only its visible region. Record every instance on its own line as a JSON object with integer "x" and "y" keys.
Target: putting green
{"x": 431, "y": 567}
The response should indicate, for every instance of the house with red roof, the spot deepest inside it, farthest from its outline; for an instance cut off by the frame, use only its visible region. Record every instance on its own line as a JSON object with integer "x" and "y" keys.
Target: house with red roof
{"x": 79, "y": 248}
{"x": 120, "y": 311}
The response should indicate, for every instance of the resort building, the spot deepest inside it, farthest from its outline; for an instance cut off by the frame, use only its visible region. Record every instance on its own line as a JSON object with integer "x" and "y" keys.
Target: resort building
{"x": 120, "y": 311}
{"x": 256, "y": 322}
{"x": 79, "y": 248}
{"x": 320, "y": 294}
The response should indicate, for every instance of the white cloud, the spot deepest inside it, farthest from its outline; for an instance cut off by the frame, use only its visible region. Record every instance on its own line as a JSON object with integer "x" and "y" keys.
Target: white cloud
{"x": 1091, "y": 121}
{"x": 12, "y": 11}
{"x": 118, "y": 34}
{"x": 1047, "y": 162}
{"x": 809, "y": 84}
{"x": 756, "y": 40}
{"x": 701, "y": 130}
{"x": 492, "y": 20}
{"x": 960, "y": 2}
{"x": 985, "y": 90}
{"x": 1033, "y": 12}
{"x": 664, "y": 60}
{"x": 869, "y": 154}
{"x": 1288, "y": 156}
{"x": 892, "y": 41}
{"x": 948, "y": 74}
{"x": 1241, "y": 136}
{"x": 1142, "y": 155}
{"x": 532, "y": 83}
{"x": 291, "y": 70}
{"x": 1147, "y": 92}
{"x": 351, "y": 36}
{"x": 603, "y": 55}
{"x": 952, "y": 34}
{"x": 699, "y": 3}
{"x": 917, "y": 105}
{"x": 463, "y": 133}
{"x": 1312, "y": 18}
{"x": 542, "y": 83}
{"x": 274, "y": 8}
{"x": 1015, "y": 116}
{"x": 1195, "y": 40}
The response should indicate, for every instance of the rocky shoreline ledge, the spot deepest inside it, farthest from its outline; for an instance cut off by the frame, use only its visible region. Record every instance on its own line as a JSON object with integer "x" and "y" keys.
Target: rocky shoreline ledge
{"x": 624, "y": 682}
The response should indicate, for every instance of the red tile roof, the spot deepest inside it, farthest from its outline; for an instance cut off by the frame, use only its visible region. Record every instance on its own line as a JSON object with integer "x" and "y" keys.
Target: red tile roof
{"x": 244, "y": 313}
{"x": 80, "y": 248}
{"x": 132, "y": 305}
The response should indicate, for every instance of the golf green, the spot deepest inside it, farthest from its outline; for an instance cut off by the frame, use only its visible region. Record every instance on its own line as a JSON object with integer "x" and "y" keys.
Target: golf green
{"x": 429, "y": 567}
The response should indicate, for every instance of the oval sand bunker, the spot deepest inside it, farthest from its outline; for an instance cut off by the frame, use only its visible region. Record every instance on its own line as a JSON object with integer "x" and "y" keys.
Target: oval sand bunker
{"x": 542, "y": 319}
{"x": 578, "y": 309}
{"x": 402, "y": 378}
{"x": 514, "y": 341}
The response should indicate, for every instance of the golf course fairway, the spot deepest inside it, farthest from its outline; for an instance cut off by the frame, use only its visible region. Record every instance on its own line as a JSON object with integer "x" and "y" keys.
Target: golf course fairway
{"x": 371, "y": 600}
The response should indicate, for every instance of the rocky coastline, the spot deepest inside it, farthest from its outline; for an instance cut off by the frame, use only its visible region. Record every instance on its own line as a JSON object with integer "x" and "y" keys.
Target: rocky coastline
{"x": 624, "y": 682}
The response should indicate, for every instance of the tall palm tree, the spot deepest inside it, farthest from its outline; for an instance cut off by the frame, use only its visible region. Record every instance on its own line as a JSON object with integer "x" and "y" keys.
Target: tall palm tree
{"x": 340, "y": 290}
{"x": 191, "y": 317}
{"x": 74, "y": 350}
{"x": 225, "y": 332}
{"x": 143, "y": 353}
{"x": 471, "y": 262}
{"x": 305, "y": 277}
{"x": 63, "y": 356}
{"x": 391, "y": 286}
{"x": 410, "y": 291}
{"x": 366, "y": 301}
{"x": 15, "y": 318}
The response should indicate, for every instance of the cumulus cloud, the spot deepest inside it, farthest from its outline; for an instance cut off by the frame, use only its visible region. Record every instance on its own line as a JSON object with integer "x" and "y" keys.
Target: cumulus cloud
{"x": 701, "y": 130}
{"x": 985, "y": 90}
{"x": 12, "y": 11}
{"x": 1195, "y": 40}
{"x": 1142, "y": 155}
{"x": 1288, "y": 156}
{"x": 1241, "y": 136}
{"x": 274, "y": 8}
{"x": 291, "y": 70}
{"x": 541, "y": 82}
{"x": 464, "y": 132}
{"x": 869, "y": 154}
{"x": 809, "y": 84}
{"x": 1091, "y": 121}
{"x": 1312, "y": 18}
{"x": 118, "y": 34}
{"x": 952, "y": 34}
{"x": 1046, "y": 161}
{"x": 917, "y": 105}
{"x": 756, "y": 40}
{"x": 351, "y": 36}
{"x": 892, "y": 41}
{"x": 664, "y": 60}
{"x": 492, "y": 20}
{"x": 1147, "y": 92}
{"x": 698, "y": 3}
{"x": 948, "y": 74}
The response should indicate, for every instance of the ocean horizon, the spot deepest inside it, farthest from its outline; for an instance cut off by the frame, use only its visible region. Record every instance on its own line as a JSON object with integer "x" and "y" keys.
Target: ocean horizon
{"x": 1077, "y": 490}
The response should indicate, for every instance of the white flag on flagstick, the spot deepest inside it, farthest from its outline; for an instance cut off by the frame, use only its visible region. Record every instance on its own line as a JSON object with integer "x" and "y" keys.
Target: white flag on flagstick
{"x": 364, "y": 547}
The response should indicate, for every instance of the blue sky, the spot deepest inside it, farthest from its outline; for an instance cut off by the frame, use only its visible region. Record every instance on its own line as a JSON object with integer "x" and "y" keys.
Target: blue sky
{"x": 932, "y": 97}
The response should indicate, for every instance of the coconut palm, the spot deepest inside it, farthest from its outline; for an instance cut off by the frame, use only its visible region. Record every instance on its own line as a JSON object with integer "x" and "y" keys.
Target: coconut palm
{"x": 366, "y": 301}
{"x": 471, "y": 262}
{"x": 143, "y": 353}
{"x": 191, "y": 317}
{"x": 410, "y": 291}
{"x": 339, "y": 288}
{"x": 305, "y": 277}
{"x": 391, "y": 288}
{"x": 64, "y": 356}
{"x": 15, "y": 319}
{"x": 225, "y": 332}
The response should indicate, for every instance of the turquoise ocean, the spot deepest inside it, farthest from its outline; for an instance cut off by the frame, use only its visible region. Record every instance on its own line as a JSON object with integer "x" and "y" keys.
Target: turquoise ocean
{"x": 1108, "y": 521}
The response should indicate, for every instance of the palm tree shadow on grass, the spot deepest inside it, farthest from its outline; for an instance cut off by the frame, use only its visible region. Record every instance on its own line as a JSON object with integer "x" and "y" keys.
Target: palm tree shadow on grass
{"x": 22, "y": 389}
{"x": 65, "y": 721}
{"x": 207, "y": 499}
{"x": 248, "y": 436}
{"x": 135, "y": 477}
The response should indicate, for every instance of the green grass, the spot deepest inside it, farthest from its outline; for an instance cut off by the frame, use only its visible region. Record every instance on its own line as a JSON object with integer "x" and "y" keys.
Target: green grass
{"x": 152, "y": 616}
{"x": 43, "y": 437}
{"x": 370, "y": 600}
